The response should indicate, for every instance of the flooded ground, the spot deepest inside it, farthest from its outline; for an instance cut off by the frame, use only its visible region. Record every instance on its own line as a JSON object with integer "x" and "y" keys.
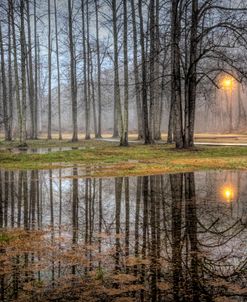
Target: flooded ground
{"x": 41, "y": 150}
{"x": 178, "y": 237}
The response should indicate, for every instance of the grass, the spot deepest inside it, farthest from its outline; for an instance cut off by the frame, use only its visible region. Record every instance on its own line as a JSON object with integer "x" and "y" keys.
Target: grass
{"x": 4, "y": 237}
{"x": 108, "y": 159}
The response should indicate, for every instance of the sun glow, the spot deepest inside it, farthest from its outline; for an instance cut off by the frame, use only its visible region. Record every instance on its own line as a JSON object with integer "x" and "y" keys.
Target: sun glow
{"x": 228, "y": 193}
{"x": 227, "y": 83}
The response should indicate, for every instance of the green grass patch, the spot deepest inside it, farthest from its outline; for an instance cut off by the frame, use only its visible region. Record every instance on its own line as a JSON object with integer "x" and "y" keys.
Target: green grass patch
{"x": 133, "y": 160}
{"x": 112, "y": 160}
{"x": 5, "y": 237}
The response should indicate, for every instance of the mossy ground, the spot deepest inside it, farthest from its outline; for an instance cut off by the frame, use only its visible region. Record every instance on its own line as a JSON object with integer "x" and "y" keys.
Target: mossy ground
{"x": 112, "y": 160}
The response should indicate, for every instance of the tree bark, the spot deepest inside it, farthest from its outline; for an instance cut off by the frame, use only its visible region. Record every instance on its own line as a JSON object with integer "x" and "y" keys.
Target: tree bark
{"x": 157, "y": 89}
{"x": 124, "y": 138}
{"x": 10, "y": 93}
{"x": 116, "y": 75}
{"x": 58, "y": 74}
{"x": 146, "y": 132}
{"x": 16, "y": 71}
{"x": 99, "y": 134}
{"x": 93, "y": 96}
{"x": 88, "y": 101}
{"x": 72, "y": 76}
{"x": 136, "y": 74}
{"x": 176, "y": 101}
{"x": 35, "y": 74}
{"x": 152, "y": 70}
{"x": 170, "y": 137}
{"x": 4, "y": 88}
{"x": 84, "y": 63}
{"x": 30, "y": 72}
{"x": 192, "y": 77}
{"x": 23, "y": 71}
{"x": 242, "y": 117}
{"x": 49, "y": 71}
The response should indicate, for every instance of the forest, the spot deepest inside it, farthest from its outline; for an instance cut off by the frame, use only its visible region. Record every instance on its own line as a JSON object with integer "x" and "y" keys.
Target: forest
{"x": 123, "y": 150}
{"x": 120, "y": 67}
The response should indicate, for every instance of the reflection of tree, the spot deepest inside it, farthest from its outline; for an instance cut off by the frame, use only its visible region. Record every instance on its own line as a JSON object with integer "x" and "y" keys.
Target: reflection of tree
{"x": 127, "y": 216}
{"x": 177, "y": 194}
{"x": 100, "y": 218}
{"x": 137, "y": 214}
{"x": 74, "y": 209}
{"x": 12, "y": 198}
{"x": 191, "y": 232}
{"x": 118, "y": 196}
{"x": 25, "y": 200}
{"x": 6, "y": 197}
{"x": 1, "y": 201}
{"x": 169, "y": 235}
{"x": 51, "y": 199}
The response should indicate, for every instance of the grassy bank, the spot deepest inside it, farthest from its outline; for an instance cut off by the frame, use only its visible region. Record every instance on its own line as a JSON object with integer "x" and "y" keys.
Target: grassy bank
{"x": 111, "y": 160}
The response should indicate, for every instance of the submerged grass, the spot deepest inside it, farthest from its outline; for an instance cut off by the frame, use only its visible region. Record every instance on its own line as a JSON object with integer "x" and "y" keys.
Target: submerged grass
{"x": 113, "y": 160}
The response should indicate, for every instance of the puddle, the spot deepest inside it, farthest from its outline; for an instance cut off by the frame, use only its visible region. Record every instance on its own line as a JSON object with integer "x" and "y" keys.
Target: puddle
{"x": 178, "y": 237}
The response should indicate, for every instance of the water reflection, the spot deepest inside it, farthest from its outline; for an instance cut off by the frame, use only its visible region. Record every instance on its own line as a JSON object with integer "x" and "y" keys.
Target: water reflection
{"x": 151, "y": 238}
{"x": 42, "y": 150}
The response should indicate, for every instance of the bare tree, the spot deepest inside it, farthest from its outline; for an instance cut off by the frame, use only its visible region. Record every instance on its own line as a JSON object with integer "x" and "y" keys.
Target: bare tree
{"x": 124, "y": 136}
{"x": 146, "y": 130}
{"x": 136, "y": 74}
{"x": 72, "y": 75}
{"x": 23, "y": 72}
{"x": 4, "y": 87}
{"x": 98, "y": 135}
{"x": 58, "y": 73}
{"x": 31, "y": 92}
{"x": 49, "y": 71}
{"x": 117, "y": 97}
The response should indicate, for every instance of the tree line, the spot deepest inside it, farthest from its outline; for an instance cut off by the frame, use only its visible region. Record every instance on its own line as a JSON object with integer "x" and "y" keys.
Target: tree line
{"x": 162, "y": 56}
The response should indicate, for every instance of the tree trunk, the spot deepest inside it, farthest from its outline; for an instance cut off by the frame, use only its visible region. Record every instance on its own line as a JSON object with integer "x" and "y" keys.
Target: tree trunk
{"x": 157, "y": 90}
{"x": 99, "y": 134}
{"x": 146, "y": 132}
{"x": 176, "y": 102}
{"x": 40, "y": 118}
{"x": 4, "y": 88}
{"x": 192, "y": 76}
{"x": 88, "y": 101}
{"x": 35, "y": 75}
{"x": 84, "y": 62}
{"x": 170, "y": 137}
{"x": 124, "y": 138}
{"x": 72, "y": 76}
{"x": 30, "y": 73}
{"x": 116, "y": 75}
{"x": 152, "y": 70}
{"x": 242, "y": 118}
{"x": 17, "y": 93}
{"x": 10, "y": 94}
{"x": 23, "y": 71}
{"x": 49, "y": 71}
{"x": 58, "y": 74}
{"x": 93, "y": 96}
{"x": 136, "y": 74}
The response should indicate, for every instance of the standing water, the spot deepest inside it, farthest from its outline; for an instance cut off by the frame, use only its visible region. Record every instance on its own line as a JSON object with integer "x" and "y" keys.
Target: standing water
{"x": 178, "y": 237}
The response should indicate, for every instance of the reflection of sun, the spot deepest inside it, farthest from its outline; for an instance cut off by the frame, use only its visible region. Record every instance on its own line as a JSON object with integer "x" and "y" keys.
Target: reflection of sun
{"x": 227, "y": 82}
{"x": 228, "y": 193}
